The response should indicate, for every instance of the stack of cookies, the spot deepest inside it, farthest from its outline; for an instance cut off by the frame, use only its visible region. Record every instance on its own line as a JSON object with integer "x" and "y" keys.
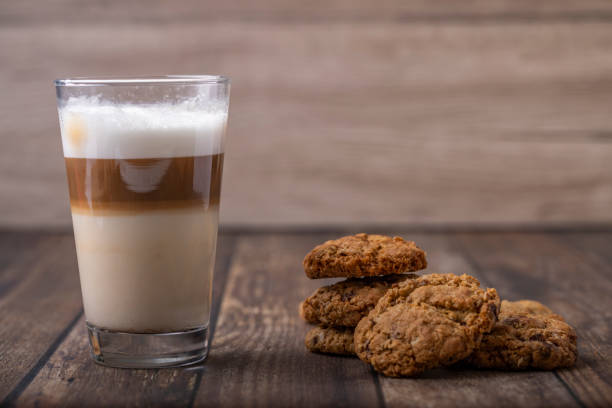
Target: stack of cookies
{"x": 403, "y": 324}
{"x": 372, "y": 264}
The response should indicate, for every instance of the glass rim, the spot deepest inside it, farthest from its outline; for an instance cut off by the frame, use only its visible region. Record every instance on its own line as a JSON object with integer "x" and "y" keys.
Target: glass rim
{"x": 143, "y": 80}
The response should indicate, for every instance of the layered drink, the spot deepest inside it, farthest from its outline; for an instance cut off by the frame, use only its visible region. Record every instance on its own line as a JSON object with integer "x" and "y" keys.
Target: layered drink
{"x": 144, "y": 183}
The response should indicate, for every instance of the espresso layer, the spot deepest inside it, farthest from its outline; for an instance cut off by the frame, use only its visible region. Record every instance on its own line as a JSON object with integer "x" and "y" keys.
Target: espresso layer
{"x": 115, "y": 186}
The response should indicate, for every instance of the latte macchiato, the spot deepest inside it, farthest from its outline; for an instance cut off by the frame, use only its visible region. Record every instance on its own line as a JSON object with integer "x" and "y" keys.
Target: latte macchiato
{"x": 144, "y": 183}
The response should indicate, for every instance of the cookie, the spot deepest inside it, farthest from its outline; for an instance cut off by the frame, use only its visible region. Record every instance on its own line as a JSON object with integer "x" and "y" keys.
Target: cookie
{"x": 527, "y": 306}
{"x": 345, "y": 303}
{"x": 330, "y": 340}
{"x": 431, "y": 321}
{"x": 363, "y": 255}
{"x": 527, "y": 337}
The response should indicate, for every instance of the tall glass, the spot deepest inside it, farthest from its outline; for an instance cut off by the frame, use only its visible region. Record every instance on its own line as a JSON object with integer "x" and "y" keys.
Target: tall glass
{"x": 144, "y": 158}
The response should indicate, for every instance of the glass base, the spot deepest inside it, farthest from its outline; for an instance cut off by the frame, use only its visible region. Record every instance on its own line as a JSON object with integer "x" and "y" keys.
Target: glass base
{"x": 144, "y": 350}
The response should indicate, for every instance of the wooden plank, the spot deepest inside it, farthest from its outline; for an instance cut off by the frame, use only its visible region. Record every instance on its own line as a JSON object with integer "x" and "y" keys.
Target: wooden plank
{"x": 545, "y": 268}
{"x": 595, "y": 246}
{"x": 13, "y": 242}
{"x": 405, "y": 132}
{"x": 70, "y": 377}
{"x": 258, "y": 357}
{"x": 277, "y": 10}
{"x": 43, "y": 301}
{"x": 16, "y": 249}
{"x": 464, "y": 387}
{"x": 226, "y": 246}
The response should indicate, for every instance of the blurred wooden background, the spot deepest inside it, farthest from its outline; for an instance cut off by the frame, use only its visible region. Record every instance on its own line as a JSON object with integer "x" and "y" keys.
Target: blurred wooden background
{"x": 389, "y": 111}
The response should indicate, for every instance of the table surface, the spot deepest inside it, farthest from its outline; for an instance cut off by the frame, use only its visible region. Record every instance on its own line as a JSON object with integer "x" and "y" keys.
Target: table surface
{"x": 257, "y": 356}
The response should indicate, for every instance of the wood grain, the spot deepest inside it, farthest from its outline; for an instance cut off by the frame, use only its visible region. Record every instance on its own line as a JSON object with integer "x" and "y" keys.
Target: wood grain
{"x": 41, "y": 300}
{"x": 71, "y": 378}
{"x": 547, "y": 269}
{"x": 258, "y": 357}
{"x": 11, "y": 243}
{"x": 393, "y": 112}
{"x": 594, "y": 246}
{"x": 30, "y": 11}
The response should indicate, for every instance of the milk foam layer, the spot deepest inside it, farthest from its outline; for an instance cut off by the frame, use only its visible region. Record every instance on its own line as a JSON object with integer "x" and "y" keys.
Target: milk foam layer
{"x": 97, "y": 129}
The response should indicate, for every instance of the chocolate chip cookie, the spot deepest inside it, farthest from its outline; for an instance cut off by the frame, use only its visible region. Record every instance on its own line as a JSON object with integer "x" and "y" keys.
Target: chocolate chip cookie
{"x": 527, "y": 335}
{"x": 345, "y": 303}
{"x": 363, "y": 255}
{"x": 527, "y": 306}
{"x": 330, "y": 340}
{"x": 434, "y": 320}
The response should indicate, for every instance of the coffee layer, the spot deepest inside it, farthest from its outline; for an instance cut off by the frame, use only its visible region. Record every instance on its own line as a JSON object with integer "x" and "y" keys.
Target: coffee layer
{"x": 115, "y": 186}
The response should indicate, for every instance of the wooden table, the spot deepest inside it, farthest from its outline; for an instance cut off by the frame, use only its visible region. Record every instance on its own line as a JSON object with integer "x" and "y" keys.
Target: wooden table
{"x": 258, "y": 357}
